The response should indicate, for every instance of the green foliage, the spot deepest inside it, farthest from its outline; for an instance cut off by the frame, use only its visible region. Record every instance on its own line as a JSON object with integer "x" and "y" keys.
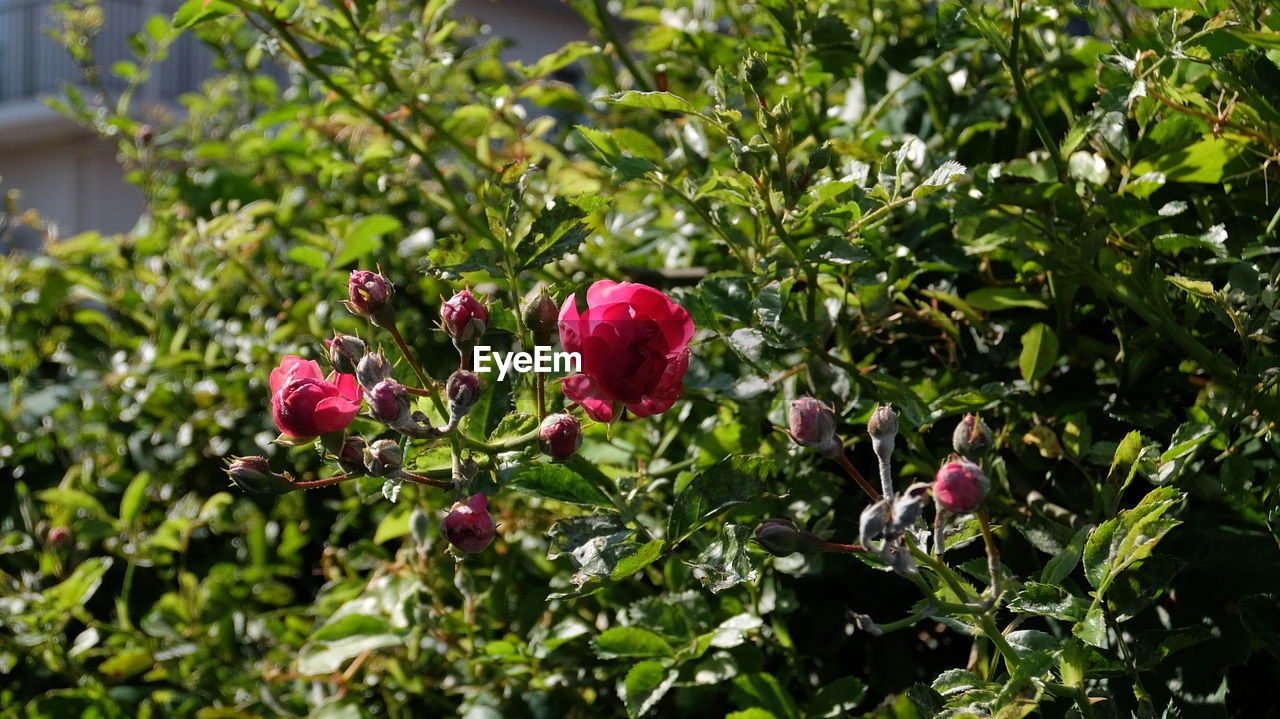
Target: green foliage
{"x": 1061, "y": 216}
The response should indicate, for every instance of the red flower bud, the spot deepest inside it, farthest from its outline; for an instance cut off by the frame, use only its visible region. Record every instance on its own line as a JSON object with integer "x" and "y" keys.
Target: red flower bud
{"x": 960, "y": 487}
{"x": 388, "y": 401}
{"x": 372, "y": 369}
{"x": 370, "y": 297}
{"x": 781, "y": 538}
{"x": 813, "y": 424}
{"x": 351, "y": 458}
{"x": 253, "y": 475}
{"x": 972, "y": 437}
{"x": 383, "y": 458}
{"x": 345, "y": 352}
{"x": 560, "y": 435}
{"x": 59, "y": 536}
{"x": 541, "y": 316}
{"x": 469, "y": 526}
{"x": 462, "y": 390}
{"x": 464, "y": 317}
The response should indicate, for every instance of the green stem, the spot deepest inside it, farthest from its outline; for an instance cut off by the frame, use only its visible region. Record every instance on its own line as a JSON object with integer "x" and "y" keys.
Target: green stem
{"x": 606, "y": 28}
{"x": 993, "y": 633}
{"x": 1013, "y": 63}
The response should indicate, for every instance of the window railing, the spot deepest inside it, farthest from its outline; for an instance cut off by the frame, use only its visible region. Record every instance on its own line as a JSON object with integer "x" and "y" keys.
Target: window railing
{"x": 32, "y": 64}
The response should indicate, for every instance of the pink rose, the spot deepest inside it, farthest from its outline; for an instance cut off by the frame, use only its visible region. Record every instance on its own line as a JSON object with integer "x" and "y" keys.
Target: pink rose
{"x": 634, "y": 344}
{"x": 304, "y": 403}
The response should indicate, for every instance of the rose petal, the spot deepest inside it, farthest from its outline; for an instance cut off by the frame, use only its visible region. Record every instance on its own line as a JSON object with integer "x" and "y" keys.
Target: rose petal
{"x": 292, "y": 367}
{"x": 348, "y": 387}
{"x": 570, "y": 325}
{"x": 580, "y": 388}
{"x": 334, "y": 413}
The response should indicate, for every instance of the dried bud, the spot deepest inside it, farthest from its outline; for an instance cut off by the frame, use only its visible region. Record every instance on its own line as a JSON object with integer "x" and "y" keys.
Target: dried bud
{"x": 469, "y": 526}
{"x": 253, "y": 475}
{"x": 541, "y": 316}
{"x": 560, "y": 435}
{"x": 389, "y": 402}
{"x": 960, "y": 487}
{"x": 781, "y": 538}
{"x": 813, "y": 424}
{"x": 383, "y": 458}
{"x": 883, "y": 422}
{"x": 345, "y": 353}
{"x": 972, "y": 437}
{"x": 351, "y": 457}
{"x": 59, "y": 536}
{"x": 372, "y": 369}
{"x": 463, "y": 390}
{"x": 464, "y": 317}
{"x": 370, "y": 297}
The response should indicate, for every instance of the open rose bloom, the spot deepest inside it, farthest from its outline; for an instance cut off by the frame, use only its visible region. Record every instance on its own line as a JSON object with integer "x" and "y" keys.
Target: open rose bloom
{"x": 634, "y": 344}
{"x": 305, "y": 403}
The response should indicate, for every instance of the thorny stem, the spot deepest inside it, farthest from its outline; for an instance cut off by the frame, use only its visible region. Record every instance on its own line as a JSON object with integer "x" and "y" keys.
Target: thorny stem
{"x": 316, "y": 483}
{"x": 843, "y": 461}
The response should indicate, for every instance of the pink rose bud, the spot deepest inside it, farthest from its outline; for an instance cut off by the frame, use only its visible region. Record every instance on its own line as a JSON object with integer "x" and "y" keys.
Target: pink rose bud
{"x": 464, "y": 317}
{"x": 972, "y": 437}
{"x": 469, "y": 526}
{"x": 383, "y": 458}
{"x": 781, "y": 538}
{"x": 59, "y": 536}
{"x": 253, "y": 475}
{"x": 540, "y": 316}
{"x": 960, "y": 487}
{"x": 304, "y": 403}
{"x": 389, "y": 402}
{"x": 462, "y": 390}
{"x": 345, "y": 353}
{"x": 560, "y": 435}
{"x": 370, "y": 297}
{"x": 372, "y": 369}
{"x": 813, "y": 424}
{"x": 351, "y": 458}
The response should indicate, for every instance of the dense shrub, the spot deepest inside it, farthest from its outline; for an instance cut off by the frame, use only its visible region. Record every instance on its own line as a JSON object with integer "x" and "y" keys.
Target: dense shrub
{"x": 1059, "y": 217}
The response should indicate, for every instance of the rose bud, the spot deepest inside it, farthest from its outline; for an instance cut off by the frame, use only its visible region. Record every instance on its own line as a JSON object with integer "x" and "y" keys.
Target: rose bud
{"x": 883, "y": 423}
{"x": 469, "y": 526}
{"x": 560, "y": 435}
{"x": 972, "y": 437}
{"x": 389, "y": 402}
{"x": 345, "y": 352}
{"x": 59, "y": 536}
{"x": 372, "y": 369}
{"x": 370, "y": 297}
{"x": 813, "y": 424}
{"x": 253, "y": 475}
{"x": 540, "y": 316}
{"x": 464, "y": 317}
{"x": 351, "y": 457}
{"x": 383, "y": 458}
{"x": 781, "y": 538}
{"x": 463, "y": 391}
{"x": 960, "y": 487}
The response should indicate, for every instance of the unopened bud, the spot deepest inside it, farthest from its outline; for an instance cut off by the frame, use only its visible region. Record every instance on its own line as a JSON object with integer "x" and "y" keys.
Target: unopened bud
{"x": 370, "y": 297}
{"x": 560, "y": 435}
{"x": 960, "y": 487}
{"x": 972, "y": 437}
{"x": 59, "y": 536}
{"x": 820, "y": 159}
{"x": 419, "y": 526}
{"x": 389, "y": 402}
{"x": 383, "y": 458}
{"x": 464, "y": 317}
{"x": 463, "y": 391}
{"x": 469, "y": 526}
{"x": 372, "y": 369}
{"x": 781, "y": 538}
{"x": 755, "y": 71}
{"x": 253, "y": 475}
{"x": 813, "y": 424}
{"x": 541, "y": 316}
{"x": 345, "y": 353}
{"x": 351, "y": 456}
{"x": 883, "y": 422}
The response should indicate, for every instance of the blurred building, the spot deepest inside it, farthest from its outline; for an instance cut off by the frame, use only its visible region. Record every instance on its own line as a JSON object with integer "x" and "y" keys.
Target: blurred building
{"x": 71, "y": 176}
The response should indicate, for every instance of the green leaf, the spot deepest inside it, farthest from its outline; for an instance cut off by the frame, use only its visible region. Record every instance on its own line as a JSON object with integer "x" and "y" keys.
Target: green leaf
{"x": 555, "y": 481}
{"x": 194, "y": 12}
{"x": 336, "y": 642}
{"x": 1048, "y": 600}
{"x": 127, "y": 664}
{"x": 134, "y": 497}
{"x": 764, "y": 691}
{"x": 1064, "y": 562}
{"x": 664, "y": 101}
{"x": 643, "y": 557}
{"x": 309, "y": 256}
{"x": 365, "y": 237}
{"x": 394, "y": 525}
{"x": 1093, "y": 628}
{"x": 644, "y": 686}
{"x": 725, "y": 562}
{"x": 730, "y": 481}
{"x": 621, "y": 642}
{"x": 1128, "y": 538}
{"x": 565, "y": 56}
{"x": 1199, "y": 288}
{"x": 1203, "y": 161}
{"x": 946, "y": 173}
{"x": 993, "y": 299}
{"x": 1039, "y": 352}
{"x": 76, "y": 590}
{"x": 839, "y": 698}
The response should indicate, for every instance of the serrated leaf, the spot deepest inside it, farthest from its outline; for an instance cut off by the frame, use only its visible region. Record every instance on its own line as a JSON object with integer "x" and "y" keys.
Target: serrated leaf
{"x": 554, "y": 481}
{"x": 1129, "y": 537}
{"x": 664, "y": 101}
{"x": 643, "y": 557}
{"x": 365, "y": 237}
{"x": 730, "y": 481}
{"x": 1063, "y": 563}
{"x": 946, "y": 173}
{"x": 644, "y": 686}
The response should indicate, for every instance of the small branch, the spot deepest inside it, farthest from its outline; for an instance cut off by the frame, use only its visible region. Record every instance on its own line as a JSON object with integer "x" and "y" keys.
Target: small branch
{"x": 843, "y": 461}
{"x": 316, "y": 483}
